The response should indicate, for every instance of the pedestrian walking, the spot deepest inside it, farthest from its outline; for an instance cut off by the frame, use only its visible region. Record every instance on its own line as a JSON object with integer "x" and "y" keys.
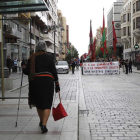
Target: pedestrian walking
{"x": 19, "y": 65}
{"x": 24, "y": 62}
{"x": 9, "y": 63}
{"x": 12, "y": 66}
{"x": 126, "y": 66}
{"x": 130, "y": 66}
{"x": 15, "y": 64}
{"x": 73, "y": 66}
{"x": 123, "y": 64}
{"x": 42, "y": 73}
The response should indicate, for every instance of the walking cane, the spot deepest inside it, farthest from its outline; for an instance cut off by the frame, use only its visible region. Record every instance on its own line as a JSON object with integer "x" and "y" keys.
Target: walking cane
{"x": 19, "y": 98}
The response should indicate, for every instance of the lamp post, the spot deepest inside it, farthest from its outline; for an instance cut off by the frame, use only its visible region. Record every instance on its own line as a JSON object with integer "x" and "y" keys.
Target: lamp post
{"x": 136, "y": 47}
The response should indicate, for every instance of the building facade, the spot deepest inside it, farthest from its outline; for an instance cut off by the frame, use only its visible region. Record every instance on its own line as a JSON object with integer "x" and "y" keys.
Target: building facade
{"x": 130, "y": 27}
{"x": 52, "y": 33}
{"x": 16, "y": 35}
{"x": 114, "y": 14}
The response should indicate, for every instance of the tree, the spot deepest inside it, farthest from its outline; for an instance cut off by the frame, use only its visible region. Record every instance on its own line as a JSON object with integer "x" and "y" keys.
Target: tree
{"x": 98, "y": 52}
{"x": 73, "y": 53}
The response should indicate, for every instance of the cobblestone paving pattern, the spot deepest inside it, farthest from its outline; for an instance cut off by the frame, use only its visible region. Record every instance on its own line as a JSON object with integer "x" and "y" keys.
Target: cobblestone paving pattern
{"x": 113, "y": 102}
{"x": 68, "y": 87}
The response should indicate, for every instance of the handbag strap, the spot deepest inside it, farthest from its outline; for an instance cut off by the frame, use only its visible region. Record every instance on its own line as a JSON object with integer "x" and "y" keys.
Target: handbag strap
{"x": 59, "y": 96}
{"x": 55, "y": 98}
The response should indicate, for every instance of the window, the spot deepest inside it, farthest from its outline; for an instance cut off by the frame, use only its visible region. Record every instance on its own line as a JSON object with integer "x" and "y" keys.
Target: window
{"x": 134, "y": 9}
{"x": 134, "y": 24}
{"x": 23, "y": 34}
{"x": 128, "y": 31}
{"x": 124, "y": 18}
{"x": 128, "y": 17}
{"x": 138, "y": 22}
{"x": 138, "y": 5}
{"x": 124, "y": 31}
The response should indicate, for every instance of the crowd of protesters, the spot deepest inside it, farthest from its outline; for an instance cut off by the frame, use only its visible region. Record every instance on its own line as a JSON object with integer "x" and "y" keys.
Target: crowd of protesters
{"x": 125, "y": 64}
{"x": 15, "y": 64}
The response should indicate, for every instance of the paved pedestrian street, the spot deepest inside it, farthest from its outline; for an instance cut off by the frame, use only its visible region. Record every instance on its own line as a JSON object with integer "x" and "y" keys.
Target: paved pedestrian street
{"x": 108, "y": 106}
{"x": 113, "y": 106}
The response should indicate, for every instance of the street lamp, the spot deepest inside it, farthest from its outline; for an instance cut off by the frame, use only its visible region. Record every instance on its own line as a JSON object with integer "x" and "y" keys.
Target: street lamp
{"x": 136, "y": 47}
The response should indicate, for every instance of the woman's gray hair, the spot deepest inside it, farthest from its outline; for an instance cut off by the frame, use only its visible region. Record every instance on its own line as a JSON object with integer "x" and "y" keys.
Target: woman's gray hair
{"x": 41, "y": 46}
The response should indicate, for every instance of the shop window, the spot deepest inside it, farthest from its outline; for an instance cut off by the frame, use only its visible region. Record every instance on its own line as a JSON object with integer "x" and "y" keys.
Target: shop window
{"x": 138, "y": 5}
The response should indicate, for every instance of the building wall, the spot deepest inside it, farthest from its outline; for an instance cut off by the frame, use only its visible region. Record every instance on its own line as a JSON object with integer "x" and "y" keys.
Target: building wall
{"x": 114, "y": 14}
{"x": 20, "y": 30}
{"x": 132, "y": 35}
{"x": 64, "y": 37}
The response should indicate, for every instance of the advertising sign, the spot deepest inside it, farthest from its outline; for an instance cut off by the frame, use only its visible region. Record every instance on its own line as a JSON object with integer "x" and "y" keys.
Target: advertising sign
{"x": 101, "y": 68}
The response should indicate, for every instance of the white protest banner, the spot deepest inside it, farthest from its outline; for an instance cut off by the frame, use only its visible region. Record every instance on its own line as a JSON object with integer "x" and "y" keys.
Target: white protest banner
{"x": 100, "y": 68}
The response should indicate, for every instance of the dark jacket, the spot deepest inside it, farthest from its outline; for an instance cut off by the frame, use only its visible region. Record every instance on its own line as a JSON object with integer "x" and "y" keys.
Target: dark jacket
{"x": 43, "y": 63}
{"x": 8, "y": 62}
{"x": 130, "y": 63}
{"x": 73, "y": 64}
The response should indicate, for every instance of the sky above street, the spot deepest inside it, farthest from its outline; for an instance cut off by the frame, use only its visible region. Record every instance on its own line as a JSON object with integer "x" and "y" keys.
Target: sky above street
{"x": 78, "y": 14}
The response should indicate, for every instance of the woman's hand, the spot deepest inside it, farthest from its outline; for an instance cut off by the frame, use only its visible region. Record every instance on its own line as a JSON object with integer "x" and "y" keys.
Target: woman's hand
{"x": 57, "y": 87}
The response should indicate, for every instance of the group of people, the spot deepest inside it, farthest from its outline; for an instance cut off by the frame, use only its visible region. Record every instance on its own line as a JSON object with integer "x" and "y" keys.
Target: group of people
{"x": 73, "y": 63}
{"x": 126, "y": 65}
{"x": 14, "y": 64}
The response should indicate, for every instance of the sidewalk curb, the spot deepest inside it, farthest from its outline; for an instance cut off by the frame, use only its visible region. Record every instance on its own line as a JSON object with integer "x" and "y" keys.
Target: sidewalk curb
{"x": 17, "y": 88}
{"x": 84, "y": 130}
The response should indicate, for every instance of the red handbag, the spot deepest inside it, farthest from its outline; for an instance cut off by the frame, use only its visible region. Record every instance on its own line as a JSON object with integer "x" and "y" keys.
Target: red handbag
{"x": 59, "y": 112}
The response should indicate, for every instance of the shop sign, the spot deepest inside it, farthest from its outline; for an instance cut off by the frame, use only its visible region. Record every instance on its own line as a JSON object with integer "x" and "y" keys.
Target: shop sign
{"x": 10, "y": 40}
{"x": 136, "y": 46}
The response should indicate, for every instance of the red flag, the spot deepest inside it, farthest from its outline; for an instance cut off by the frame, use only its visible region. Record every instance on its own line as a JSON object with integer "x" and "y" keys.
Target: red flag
{"x": 104, "y": 37}
{"x": 114, "y": 37}
{"x": 91, "y": 37}
{"x": 89, "y": 52}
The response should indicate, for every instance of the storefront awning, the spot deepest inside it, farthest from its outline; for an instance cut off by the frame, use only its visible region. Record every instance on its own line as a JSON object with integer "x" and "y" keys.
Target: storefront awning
{"x": 22, "y": 6}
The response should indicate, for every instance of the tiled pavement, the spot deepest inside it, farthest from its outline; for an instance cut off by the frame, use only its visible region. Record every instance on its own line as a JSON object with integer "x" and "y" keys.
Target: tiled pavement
{"x": 65, "y": 129}
{"x": 113, "y": 106}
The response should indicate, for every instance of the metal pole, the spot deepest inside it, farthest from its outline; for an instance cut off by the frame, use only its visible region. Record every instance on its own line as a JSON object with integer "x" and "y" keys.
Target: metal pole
{"x": 2, "y": 63}
{"x": 54, "y": 48}
{"x": 135, "y": 57}
{"x": 30, "y": 38}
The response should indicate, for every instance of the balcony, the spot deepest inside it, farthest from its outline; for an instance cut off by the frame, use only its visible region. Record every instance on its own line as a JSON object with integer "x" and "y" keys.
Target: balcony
{"x": 48, "y": 37}
{"x": 37, "y": 16}
{"x": 13, "y": 33}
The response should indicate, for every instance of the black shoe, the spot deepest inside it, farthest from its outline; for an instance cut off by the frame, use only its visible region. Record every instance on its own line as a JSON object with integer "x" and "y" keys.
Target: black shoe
{"x": 40, "y": 124}
{"x": 44, "y": 129}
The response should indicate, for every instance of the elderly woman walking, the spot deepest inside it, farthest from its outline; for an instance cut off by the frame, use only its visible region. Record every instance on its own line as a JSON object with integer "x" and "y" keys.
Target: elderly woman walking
{"x": 42, "y": 75}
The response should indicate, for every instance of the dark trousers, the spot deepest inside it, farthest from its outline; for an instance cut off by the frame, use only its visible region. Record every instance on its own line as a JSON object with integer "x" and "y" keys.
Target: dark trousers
{"x": 15, "y": 68}
{"x": 126, "y": 67}
{"x": 9, "y": 70}
{"x": 130, "y": 69}
{"x": 19, "y": 69}
{"x": 73, "y": 70}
